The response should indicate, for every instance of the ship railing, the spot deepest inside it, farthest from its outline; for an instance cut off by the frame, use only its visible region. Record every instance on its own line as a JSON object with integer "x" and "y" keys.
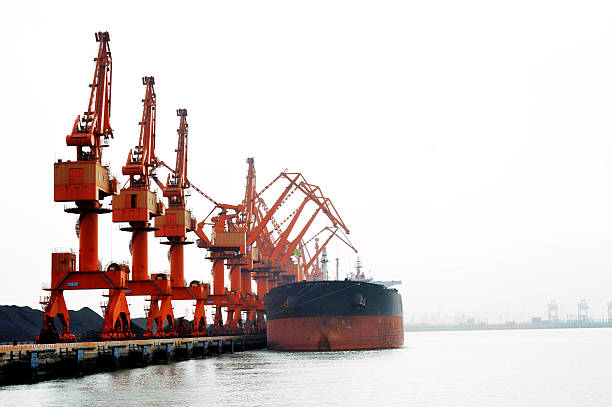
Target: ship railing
{"x": 63, "y": 250}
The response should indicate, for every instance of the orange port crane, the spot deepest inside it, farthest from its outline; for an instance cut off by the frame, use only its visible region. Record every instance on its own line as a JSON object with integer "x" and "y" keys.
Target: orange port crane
{"x": 239, "y": 234}
{"x": 263, "y": 237}
{"x": 137, "y": 204}
{"x": 231, "y": 245}
{"x": 86, "y": 182}
{"x": 223, "y": 244}
{"x": 177, "y": 220}
{"x": 238, "y": 237}
{"x": 277, "y": 263}
{"x": 174, "y": 225}
{"x": 241, "y": 268}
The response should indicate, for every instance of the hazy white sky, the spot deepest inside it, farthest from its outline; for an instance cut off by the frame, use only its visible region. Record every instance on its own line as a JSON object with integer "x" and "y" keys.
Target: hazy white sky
{"x": 467, "y": 144}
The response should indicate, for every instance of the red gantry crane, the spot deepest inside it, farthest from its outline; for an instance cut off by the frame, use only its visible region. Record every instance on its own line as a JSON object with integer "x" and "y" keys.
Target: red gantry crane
{"x": 137, "y": 204}
{"x": 223, "y": 245}
{"x": 231, "y": 246}
{"x": 175, "y": 224}
{"x": 241, "y": 269}
{"x": 86, "y": 182}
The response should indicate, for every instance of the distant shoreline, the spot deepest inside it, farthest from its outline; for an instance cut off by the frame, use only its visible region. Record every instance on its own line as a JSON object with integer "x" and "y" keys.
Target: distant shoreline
{"x": 505, "y": 327}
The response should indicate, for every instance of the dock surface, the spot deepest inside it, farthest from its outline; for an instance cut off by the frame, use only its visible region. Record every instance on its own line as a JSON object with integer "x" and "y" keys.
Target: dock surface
{"x": 30, "y": 363}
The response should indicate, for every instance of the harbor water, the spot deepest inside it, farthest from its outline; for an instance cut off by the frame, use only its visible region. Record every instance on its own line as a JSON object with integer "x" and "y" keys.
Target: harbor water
{"x": 554, "y": 367}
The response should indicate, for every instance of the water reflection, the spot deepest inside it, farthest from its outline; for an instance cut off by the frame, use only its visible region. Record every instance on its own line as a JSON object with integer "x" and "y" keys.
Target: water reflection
{"x": 438, "y": 369}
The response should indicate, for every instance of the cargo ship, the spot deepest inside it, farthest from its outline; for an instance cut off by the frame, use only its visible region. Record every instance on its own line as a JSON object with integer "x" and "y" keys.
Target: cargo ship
{"x": 333, "y": 315}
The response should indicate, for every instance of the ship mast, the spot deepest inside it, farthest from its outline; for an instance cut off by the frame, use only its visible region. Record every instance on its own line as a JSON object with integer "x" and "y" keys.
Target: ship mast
{"x": 358, "y": 268}
{"x": 324, "y": 262}
{"x": 337, "y": 267}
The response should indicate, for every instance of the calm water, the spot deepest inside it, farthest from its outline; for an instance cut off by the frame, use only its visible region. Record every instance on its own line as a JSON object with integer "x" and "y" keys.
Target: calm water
{"x": 484, "y": 368}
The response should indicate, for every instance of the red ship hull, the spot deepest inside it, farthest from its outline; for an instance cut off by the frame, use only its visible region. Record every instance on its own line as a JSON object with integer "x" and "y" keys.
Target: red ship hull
{"x": 335, "y": 333}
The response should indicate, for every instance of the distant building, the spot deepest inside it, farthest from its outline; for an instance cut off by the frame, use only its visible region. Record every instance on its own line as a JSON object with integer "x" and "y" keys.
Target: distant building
{"x": 553, "y": 311}
{"x": 583, "y": 311}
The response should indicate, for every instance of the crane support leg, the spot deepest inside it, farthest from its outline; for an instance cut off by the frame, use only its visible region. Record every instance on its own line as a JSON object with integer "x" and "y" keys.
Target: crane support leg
{"x": 231, "y": 320}
{"x": 218, "y": 319}
{"x": 117, "y": 317}
{"x": 166, "y": 315}
{"x": 250, "y": 322}
{"x": 56, "y": 307}
{"x": 199, "y": 319}
{"x": 152, "y": 317}
{"x": 236, "y": 320}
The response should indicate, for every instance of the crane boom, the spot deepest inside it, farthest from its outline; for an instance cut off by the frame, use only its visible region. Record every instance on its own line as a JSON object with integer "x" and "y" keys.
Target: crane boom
{"x": 250, "y": 196}
{"x": 177, "y": 179}
{"x": 90, "y": 131}
{"x": 141, "y": 159}
{"x": 317, "y": 197}
{"x": 252, "y": 235}
{"x": 291, "y": 245}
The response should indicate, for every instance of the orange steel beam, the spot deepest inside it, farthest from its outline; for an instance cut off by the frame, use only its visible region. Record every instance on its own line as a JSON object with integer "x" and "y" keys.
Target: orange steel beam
{"x": 317, "y": 196}
{"x": 291, "y": 245}
{"x": 252, "y": 235}
{"x": 282, "y": 245}
{"x": 284, "y": 237}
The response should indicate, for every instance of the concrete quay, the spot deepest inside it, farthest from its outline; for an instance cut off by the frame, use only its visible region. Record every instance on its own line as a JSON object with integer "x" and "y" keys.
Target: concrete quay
{"x": 32, "y": 363}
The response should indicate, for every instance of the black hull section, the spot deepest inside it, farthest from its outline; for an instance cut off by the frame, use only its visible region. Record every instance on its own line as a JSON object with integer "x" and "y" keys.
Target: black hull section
{"x": 332, "y": 299}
